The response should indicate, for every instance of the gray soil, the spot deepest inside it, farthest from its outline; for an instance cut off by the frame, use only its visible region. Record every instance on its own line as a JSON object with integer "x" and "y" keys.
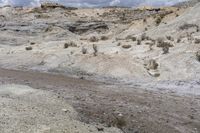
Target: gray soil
{"x": 128, "y": 108}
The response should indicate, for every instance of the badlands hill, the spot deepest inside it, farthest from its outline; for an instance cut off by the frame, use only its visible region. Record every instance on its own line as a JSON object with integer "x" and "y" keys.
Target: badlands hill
{"x": 108, "y": 42}
{"x": 154, "y": 51}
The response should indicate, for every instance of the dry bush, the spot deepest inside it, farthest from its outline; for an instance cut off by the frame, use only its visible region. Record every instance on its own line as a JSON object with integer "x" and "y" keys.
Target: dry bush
{"x": 119, "y": 44}
{"x": 151, "y": 65}
{"x": 158, "y": 20}
{"x": 84, "y": 50}
{"x": 197, "y": 40}
{"x": 165, "y": 50}
{"x": 29, "y": 48}
{"x": 139, "y": 41}
{"x": 198, "y": 55}
{"x": 144, "y": 37}
{"x": 95, "y": 49}
{"x": 104, "y": 38}
{"x": 32, "y": 43}
{"x": 178, "y": 40}
{"x": 170, "y": 38}
{"x": 126, "y": 46}
{"x": 93, "y": 39}
{"x": 42, "y": 16}
{"x": 130, "y": 37}
{"x": 70, "y": 44}
{"x": 161, "y": 43}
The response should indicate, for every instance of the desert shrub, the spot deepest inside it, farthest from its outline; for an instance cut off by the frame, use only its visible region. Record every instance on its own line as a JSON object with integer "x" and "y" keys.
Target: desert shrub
{"x": 119, "y": 44}
{"x": 126, "y": 46}
{"x": 104, "y": 38}
{"x": 32, "y": 43}
{"x": 144, "y": 20}
{"x": 198, "y": 55}
{"x": 29, "y": 48}
{"x": 143, "y": 36}
{"x": 151, "y": 65}
{"x": 160, "y": 40}
{"x": 139, "y": 41}
{"x": 93, "y": 39}
{"x": 95, "y": 49}
{"x": 165, "y": 50}
{"x": 70, "y": 44}
{"x": 197, "y": 40}
{"x": 178, "y": 40}
{"x": 39, "y": 16}
{"x": 84, "y": 50}
{"x": 170, "y": 38}
{"x": 130, "y": 37}
{"x": 158, "y": 20}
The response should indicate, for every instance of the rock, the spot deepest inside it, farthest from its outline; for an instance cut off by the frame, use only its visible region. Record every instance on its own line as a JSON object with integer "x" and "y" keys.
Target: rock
{"x": 83, "y": 27}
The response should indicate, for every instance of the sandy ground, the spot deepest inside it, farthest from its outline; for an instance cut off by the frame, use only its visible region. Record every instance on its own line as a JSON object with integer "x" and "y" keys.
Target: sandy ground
{"x": 28, "y": 110}
{"x": 128, "y": 108}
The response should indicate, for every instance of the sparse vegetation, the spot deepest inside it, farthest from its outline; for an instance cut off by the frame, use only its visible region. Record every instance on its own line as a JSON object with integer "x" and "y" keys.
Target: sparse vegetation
{"x": 139, "y": 41}
{"x": 197, "y": 41}
{"x": 95, "y": 49}
{"x": 130, "y": 37}
{"x": 143, "y": 36}
{"x": 170, "y": 38}
{"x": 198, "y": 55}
{"x": 151, "y": 65}
{"x": 29, "y": 48}
{"x": 84, "y": 50}
{"x": 70, "y": 44}
{"x": 93, "y": 39}
{"x": 32, "y": 43}
{"x": 126, "y": 46}
{"x": 165, "y": 50}
{"x": 161, "y": 43}
{"x": 158, "y": 20}
{"x": 178, "y": 40}
{"x": 104, "y": 38}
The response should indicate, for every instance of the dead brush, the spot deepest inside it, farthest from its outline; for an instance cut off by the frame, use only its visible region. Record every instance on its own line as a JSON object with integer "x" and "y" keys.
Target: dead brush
{"x": 104, "y": 38}
{"x": 29, "y": 48}
{"x": 93, "y": 39}
{"x": 95, "y": 49}
{"x": 70, "y": 44}
{"x": 118, "y": 121}
{"x": 197, "y": 41}
{"x": 198, "y": 55}
{"x": 130, "y": 37}
{"x": 84, "y": 50}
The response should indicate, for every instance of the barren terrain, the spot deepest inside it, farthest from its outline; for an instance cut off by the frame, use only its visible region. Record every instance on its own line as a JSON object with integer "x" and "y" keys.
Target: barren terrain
{"x": 100, "y": 70}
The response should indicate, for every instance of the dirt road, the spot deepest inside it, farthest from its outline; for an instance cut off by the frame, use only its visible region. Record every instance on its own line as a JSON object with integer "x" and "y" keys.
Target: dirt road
{"x": 129, "y": 108}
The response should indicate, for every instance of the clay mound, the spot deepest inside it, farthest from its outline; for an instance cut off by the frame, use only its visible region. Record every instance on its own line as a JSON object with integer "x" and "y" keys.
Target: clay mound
{"x": 190, "y": 17}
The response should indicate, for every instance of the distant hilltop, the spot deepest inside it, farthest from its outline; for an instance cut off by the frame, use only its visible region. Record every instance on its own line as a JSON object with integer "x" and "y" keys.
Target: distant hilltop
{"x": 93, "y": 3}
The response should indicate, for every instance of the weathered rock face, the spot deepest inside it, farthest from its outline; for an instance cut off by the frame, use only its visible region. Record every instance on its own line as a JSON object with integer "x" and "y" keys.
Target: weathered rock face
{"x": 83, "y": 27}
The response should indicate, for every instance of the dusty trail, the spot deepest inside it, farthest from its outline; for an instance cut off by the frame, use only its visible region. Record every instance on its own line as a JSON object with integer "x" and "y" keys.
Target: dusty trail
{"x": 128, "y": 108}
